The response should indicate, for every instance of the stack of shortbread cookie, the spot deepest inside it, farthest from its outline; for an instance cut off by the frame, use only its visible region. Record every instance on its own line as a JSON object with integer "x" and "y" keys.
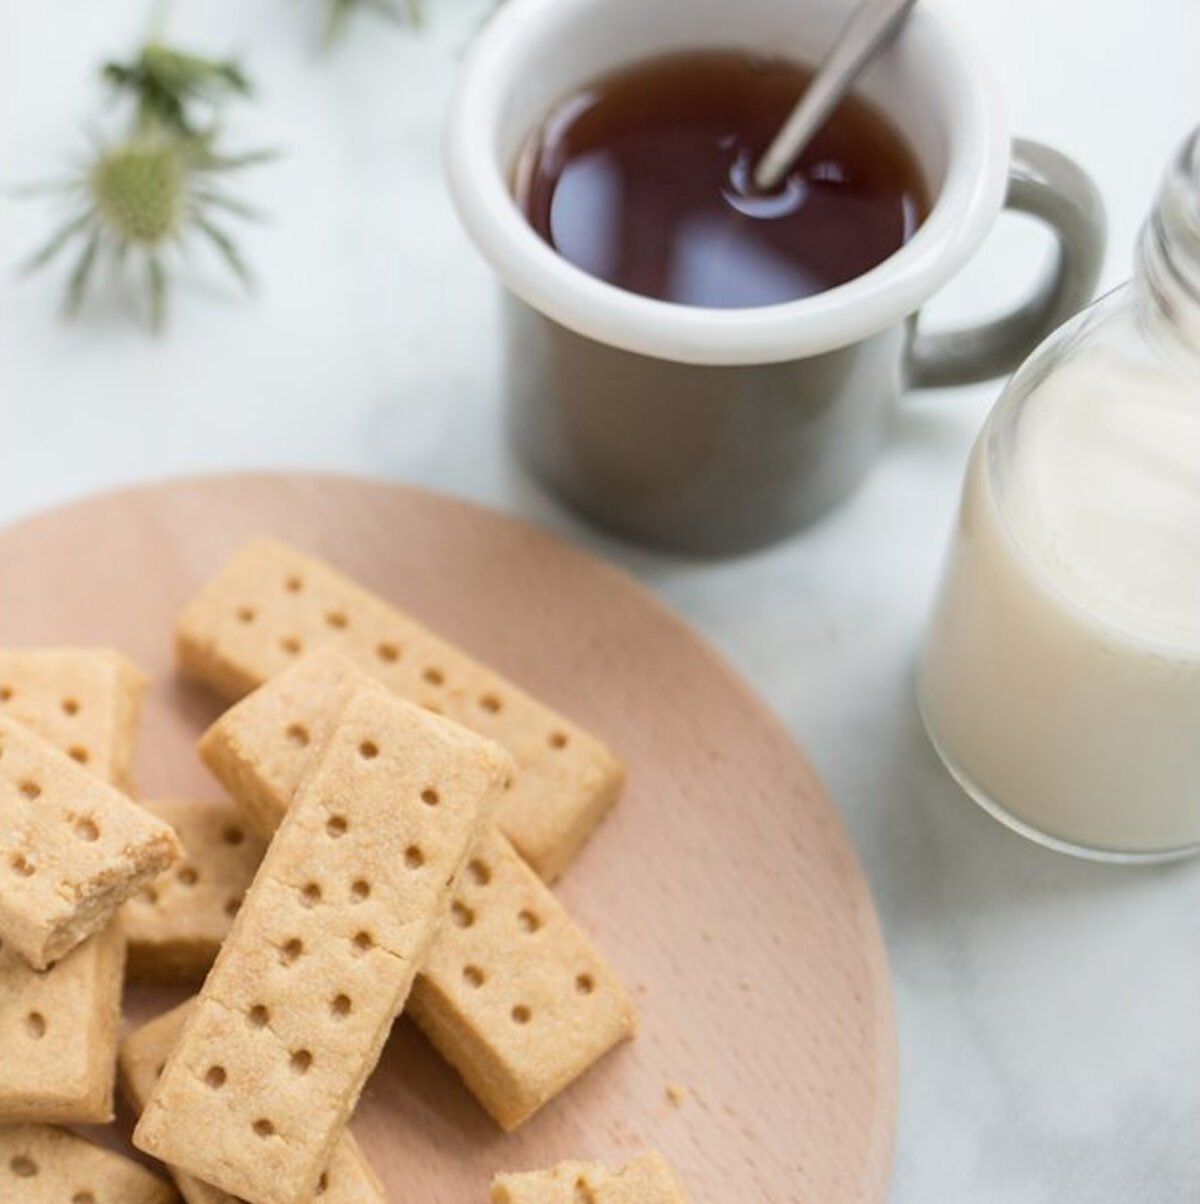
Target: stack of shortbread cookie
{"x": 401, "y": 810}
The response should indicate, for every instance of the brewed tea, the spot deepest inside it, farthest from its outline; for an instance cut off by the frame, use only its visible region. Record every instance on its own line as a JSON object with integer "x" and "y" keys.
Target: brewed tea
{"x": 643, "y": 180}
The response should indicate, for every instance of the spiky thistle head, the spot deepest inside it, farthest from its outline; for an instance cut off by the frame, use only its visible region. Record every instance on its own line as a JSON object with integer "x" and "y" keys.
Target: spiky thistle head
{"x": 147, "y": 193}
{"x": 140, "y": 189}
{"x": 139, "y": 198}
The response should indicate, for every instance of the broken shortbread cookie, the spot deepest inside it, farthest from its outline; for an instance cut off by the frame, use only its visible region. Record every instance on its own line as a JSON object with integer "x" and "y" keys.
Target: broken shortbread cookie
{"x": 647, "y": 1179}
{"x": 72, "y": 848}
{"x": 86, "y": 702}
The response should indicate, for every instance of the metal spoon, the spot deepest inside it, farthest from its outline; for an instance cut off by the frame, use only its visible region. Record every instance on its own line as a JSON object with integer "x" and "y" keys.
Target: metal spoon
{"x": 868, "y": 30}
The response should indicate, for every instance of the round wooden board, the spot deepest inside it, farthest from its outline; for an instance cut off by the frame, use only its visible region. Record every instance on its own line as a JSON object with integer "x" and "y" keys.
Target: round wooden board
{"x": 722, "y": 886}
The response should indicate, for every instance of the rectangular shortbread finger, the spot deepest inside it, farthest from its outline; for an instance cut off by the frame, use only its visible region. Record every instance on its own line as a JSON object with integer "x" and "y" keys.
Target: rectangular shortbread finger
{"x": 85, "y": 701}
{"x": 348, "y": 1179}
{"x": 647, "y": 1179}
{"x": 71, "y": 847}
{"x": 261, "y": 747}
{"x": 88, "y": 701}
{"x": 175, "y": 925}
{"x": 513, "y": 994}
{"x": 510, "y": 944}
{"x": 77, "y": 1001}
{"x": 272, "y": 603}
{"x": 58, "y": 1033}
{"x": 40, "y": 1164}
{"x": 321, "y": 957}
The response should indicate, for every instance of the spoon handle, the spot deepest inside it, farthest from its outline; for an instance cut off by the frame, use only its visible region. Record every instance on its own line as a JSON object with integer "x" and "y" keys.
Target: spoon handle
{"x": 867, "y": 30}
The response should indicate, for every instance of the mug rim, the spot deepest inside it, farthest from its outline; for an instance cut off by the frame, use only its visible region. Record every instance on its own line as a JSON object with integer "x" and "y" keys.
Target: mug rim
{"x": 962, "y": 212}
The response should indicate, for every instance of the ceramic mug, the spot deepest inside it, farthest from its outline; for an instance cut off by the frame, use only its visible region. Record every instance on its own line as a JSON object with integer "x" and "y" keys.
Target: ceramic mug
{"x": 717, "y": 430}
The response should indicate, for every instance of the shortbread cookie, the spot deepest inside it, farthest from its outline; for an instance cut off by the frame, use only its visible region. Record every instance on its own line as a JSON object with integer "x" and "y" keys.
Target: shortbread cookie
{"x": 261, "y": 748}
{"x": 58, "y": 1033}
{"x": 347, "y": 1180}
{"x": 71, "y": 847}
{"x": 175, "y": 925}
{"x": 79, "y": 998}
{"x": 512, "y": 993}
{"x": 271, "y": 604}
{"x": 40, "y": 1164}
{"x": 647, "y": 1179}
{"x": 85, "y": 701}
{"x": 323, "y": 952}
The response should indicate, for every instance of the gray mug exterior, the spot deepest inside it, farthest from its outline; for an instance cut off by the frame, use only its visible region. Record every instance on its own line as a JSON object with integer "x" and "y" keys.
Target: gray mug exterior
{"x": 715, "y": 460}
{"x": 703, "y": 459}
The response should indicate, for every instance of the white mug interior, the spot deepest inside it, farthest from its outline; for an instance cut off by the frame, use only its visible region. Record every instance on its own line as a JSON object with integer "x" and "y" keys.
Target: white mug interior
{"x": 931, "y": 82}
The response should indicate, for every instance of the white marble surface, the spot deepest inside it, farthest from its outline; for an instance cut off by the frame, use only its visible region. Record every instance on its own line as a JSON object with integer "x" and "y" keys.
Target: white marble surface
{"x": 1049, "y": 1010}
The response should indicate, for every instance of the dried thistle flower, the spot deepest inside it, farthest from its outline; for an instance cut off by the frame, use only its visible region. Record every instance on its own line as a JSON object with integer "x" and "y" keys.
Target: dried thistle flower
{"x": 150, "y": 193}
{"x": 341, "y": 11}
{"x": 140, "y": 198}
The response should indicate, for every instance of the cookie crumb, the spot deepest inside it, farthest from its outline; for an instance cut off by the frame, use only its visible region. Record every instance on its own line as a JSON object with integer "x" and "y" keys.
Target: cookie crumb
{"x": 676, "y": 1094}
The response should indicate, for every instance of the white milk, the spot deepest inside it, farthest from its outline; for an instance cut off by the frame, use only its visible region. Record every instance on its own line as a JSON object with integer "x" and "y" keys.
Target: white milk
{"x": 1061, "y": 680}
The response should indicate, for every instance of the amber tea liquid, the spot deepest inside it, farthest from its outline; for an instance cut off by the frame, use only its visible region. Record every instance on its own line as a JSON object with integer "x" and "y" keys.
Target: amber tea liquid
{"x": 643, "y": 180}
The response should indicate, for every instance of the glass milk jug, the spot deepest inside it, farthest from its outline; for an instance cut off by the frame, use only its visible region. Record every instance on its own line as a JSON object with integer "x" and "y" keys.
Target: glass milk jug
{"x": 1060, "y": 678}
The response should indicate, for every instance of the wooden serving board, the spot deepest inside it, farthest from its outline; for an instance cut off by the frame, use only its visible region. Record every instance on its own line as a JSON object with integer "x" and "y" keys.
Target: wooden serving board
{"x": 722, "y": 886}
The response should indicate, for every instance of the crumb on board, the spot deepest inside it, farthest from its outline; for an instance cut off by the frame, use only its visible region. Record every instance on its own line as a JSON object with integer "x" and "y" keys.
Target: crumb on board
{"x": 676, "y": 1094}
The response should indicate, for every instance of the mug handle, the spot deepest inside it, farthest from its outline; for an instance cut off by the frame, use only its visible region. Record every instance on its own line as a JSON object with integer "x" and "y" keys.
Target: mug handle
{"x": 1046, "y": 184}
